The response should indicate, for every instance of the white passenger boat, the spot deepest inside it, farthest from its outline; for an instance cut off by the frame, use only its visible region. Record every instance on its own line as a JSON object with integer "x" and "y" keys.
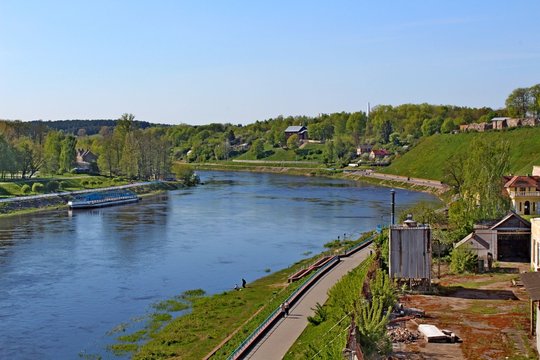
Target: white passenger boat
{"x": 101, "y": 199}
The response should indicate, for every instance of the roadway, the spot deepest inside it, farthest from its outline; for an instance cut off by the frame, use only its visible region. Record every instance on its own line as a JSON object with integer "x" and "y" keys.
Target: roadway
{"x": 278, "y": 341}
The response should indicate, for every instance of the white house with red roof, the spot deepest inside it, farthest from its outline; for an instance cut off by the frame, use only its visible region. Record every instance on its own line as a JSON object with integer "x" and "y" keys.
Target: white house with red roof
{"x": 524, "y": 192}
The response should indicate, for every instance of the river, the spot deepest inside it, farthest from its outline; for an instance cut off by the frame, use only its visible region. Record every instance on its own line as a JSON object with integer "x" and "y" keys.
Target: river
{"x": 67, "y": 278}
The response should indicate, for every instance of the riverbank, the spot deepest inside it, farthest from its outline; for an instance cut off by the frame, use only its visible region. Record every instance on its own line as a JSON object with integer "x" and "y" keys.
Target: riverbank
{"x": 442, "y": 193}
{"x": 220, "y": 321}
{"x": 33, "y": 204}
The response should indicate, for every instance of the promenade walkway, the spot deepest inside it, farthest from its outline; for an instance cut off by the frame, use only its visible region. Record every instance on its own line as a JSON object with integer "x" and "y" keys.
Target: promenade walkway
{"x": 276, "y": 343}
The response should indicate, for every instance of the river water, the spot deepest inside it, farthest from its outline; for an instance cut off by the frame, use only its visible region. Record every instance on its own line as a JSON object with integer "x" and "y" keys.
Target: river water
{"x": 67, "y": 278}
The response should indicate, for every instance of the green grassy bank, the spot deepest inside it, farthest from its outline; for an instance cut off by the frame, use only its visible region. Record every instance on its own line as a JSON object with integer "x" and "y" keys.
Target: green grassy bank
{"x": 428, "y": 159}
{"x": 223, "y": 320}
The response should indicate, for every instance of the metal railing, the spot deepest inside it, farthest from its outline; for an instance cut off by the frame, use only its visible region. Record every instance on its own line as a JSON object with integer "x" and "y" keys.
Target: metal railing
{"x": 524, "y": 193}
{"x": 267, "y": 323}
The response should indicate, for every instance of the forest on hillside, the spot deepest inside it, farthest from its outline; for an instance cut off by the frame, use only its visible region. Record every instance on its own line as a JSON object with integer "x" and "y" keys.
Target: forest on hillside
{"x": 140, "y": 150}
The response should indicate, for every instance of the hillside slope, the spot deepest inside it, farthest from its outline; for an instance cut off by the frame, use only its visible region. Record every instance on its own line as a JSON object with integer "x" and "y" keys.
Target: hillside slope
{"x": 427, "y": 159}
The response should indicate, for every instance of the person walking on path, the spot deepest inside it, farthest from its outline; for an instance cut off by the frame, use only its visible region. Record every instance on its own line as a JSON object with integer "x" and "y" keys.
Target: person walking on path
{"x": 286, "y": 306}
{"x": 283, "y": 311}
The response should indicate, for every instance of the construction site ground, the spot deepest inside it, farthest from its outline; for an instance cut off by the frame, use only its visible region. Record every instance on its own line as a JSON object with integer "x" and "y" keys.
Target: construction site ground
{"x": 488, "y": 312}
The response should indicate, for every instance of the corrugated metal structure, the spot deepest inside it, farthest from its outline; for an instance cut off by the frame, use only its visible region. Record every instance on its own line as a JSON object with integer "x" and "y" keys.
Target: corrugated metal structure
{"x": 410, "y": 251}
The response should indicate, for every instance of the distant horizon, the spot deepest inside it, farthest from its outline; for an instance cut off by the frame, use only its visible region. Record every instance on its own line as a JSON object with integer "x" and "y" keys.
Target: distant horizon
{"x": 218, "y": 62}
{"x": 244, "y": 123}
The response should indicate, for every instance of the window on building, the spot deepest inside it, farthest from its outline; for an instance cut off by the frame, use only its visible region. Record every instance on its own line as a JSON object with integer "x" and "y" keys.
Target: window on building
{"x": 537, "y": 252}
{"x": 520, "y": 209}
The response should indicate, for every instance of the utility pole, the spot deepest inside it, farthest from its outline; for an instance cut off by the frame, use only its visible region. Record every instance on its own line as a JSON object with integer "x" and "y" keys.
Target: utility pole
{"x": 393, "y": 203}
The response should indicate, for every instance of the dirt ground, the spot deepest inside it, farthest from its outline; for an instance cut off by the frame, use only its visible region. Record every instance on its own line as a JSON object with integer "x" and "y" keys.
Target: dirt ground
{"x": 486, "y": 311}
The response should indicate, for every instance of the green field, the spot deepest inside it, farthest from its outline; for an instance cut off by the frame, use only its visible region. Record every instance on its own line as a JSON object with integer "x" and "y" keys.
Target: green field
{"x": 309, "y": 152}
{"x": 428, "y": 158}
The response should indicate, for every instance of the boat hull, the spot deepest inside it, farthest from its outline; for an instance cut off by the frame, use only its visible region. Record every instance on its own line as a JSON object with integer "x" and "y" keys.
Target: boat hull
{"x": 98, "y": 203}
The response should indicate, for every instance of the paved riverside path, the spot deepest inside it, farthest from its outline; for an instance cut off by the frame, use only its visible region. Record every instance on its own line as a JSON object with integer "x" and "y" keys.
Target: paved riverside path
{"x": 278, "y": 341}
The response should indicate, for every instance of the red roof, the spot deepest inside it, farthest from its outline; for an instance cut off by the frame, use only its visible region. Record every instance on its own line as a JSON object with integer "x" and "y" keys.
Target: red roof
{"x": 382, "y": 152}
{"x": 522, "y": 181}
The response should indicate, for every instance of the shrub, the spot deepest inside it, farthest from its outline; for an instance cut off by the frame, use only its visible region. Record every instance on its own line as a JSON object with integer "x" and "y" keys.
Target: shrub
{"x": 53, "y": 186}
{"x": 25, "y": 189}
{"x": 184, "y": 173}
{"x": 37, "y": 187}
{"x": 64, "y": 184}
{"x": 321, "y": 314}
{"x": 463, "y": 260}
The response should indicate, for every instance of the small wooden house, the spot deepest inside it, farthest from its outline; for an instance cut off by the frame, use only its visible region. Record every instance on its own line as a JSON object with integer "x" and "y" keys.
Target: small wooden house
{"x": 301, "y": 131}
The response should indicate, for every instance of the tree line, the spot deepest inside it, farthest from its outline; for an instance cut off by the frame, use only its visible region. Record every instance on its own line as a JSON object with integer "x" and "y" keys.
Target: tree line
{"x": 135, "y": 149}
{"x": 86, "y": 127}
{"x": 523, "y": 102}
{"x": 123, "y": 150}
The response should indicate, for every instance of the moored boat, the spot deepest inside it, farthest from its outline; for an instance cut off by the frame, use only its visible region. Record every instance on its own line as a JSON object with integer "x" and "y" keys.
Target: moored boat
{"x": 101, "y": 199}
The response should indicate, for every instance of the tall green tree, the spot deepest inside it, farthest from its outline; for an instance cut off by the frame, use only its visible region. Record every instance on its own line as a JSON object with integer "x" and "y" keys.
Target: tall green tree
{"x": 518, "y": 102}
{"x": 329, "y": 154}
{"x": 257, "y": 149}
{"x": 356, "y": 125}
{"x": 534, "y": 92}
{"x": 29, "y": 157}
{"x": 386, "y": 130}
{"x": 51, "y": 152}
{"x": 7, "y": 158}
{"x": 480, "y": 195}
{"x": 68, "y": 153}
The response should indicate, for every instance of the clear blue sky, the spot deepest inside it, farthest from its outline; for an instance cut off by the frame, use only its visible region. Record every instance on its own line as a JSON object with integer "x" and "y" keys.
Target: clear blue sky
{"x": 232, "y": 61}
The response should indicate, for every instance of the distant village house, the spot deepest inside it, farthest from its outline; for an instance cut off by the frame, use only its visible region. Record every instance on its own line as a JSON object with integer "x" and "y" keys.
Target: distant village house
{"x": 378, "y": 154}
{"x": 499, "y": 123}
{"x": 301, "y": 131}
{"x": 363, "y": 149}
{"x": 85, "y": 160}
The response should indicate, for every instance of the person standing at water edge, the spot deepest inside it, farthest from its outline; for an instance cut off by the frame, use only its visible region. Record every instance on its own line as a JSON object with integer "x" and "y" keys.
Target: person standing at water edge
{"x": 244, "y": 282}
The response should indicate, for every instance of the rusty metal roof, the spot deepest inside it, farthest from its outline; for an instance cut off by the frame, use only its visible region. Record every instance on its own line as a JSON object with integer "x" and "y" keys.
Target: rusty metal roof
{"x": 531, "y": 280}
